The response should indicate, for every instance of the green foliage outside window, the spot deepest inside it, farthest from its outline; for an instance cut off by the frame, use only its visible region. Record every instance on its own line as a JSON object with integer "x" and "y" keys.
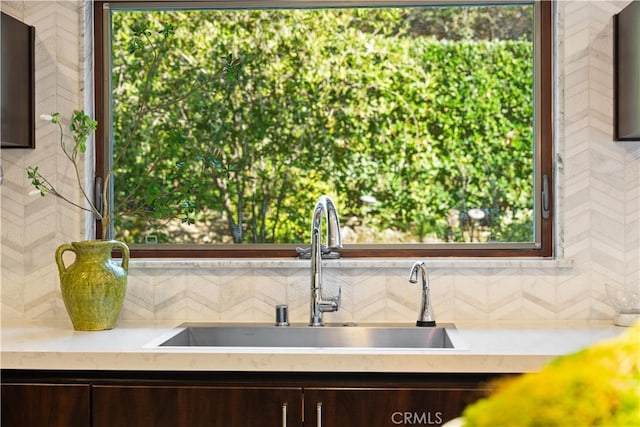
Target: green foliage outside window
{"x": 407, "y": 132}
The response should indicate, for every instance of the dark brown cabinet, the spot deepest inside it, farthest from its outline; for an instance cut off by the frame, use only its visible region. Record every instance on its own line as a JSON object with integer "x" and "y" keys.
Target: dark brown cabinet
{"x": 196, "y": 406}
{"x": 234, "y": 399}
{"x": 50, "y": 405}
{"x": 380, "y": 407}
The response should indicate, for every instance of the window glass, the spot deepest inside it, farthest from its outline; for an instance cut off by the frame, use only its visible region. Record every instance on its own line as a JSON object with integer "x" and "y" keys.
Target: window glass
{"x": 228, "y": 124}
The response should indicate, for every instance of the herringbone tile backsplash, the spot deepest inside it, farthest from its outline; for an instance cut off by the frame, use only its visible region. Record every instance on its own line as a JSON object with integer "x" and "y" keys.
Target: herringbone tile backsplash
{"x": 598, "y": 205}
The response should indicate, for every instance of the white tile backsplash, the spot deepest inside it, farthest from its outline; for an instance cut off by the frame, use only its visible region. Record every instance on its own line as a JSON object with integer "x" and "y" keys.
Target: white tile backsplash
{"x": 598, "y": 197}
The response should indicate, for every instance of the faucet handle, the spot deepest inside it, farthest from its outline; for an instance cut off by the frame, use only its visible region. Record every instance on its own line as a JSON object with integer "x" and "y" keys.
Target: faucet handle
{"x": 333, "y": 302}
{"x": 325, "y": 253}
{"x": 303, "y": 253}
{"x": 338, "y": 297}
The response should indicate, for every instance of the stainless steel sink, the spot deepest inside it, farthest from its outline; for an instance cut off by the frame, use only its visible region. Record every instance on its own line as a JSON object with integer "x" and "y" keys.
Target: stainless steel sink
{"x": 329, "y": 336}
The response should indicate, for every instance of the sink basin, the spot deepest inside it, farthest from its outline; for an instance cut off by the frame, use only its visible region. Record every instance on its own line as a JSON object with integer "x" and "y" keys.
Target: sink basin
{"x": 329, "y": 336}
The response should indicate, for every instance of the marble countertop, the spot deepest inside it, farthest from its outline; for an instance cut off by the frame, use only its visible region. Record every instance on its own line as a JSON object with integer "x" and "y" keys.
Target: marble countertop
{"x": 483, "y": 347}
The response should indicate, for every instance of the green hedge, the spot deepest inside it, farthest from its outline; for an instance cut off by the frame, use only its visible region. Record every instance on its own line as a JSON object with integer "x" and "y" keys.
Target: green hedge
{"x": 321, "y": 104}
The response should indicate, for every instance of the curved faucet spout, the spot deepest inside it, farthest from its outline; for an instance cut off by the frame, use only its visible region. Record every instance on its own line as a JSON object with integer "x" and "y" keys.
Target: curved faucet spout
{"x": 325, "y": 208}
{"x": 426, "y": 312}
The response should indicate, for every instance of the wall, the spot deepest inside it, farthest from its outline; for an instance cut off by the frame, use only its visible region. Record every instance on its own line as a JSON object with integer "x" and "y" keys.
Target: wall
{"x": 31, "y": 226}
{"x": 598, "y": 204}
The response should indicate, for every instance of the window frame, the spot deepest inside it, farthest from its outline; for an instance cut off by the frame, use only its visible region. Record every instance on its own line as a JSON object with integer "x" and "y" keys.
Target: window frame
{"x": 543, "y": 97}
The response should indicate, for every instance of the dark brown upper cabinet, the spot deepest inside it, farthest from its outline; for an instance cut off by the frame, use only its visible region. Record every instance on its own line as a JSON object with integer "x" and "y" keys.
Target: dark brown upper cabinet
{"x": 18, "y": 83}
{"x": 627, "y": 73}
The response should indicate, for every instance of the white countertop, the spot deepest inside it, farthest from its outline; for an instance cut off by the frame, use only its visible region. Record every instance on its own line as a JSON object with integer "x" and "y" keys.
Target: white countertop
{"x": 485, "y": 347}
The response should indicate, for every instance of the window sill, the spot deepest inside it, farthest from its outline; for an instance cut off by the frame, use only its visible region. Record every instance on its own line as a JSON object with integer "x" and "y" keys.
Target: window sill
{"x": 366, "y": 263}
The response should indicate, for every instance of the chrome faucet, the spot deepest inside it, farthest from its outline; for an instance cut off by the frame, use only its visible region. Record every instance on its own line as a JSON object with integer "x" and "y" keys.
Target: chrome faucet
{"x": 319, "y": 304}
{"x": 426, "y": 312}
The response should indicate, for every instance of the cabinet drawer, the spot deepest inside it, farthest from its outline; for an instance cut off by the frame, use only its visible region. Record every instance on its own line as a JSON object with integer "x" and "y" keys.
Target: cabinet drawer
{"x": 196, "y": 406}
{"x": 51, "y": 405}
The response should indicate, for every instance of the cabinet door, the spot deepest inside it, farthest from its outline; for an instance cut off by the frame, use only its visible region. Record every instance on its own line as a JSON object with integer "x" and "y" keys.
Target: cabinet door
{"x": 51, "y": 405}
{"x": 195, "y": 406}
{"x": 381, "y": 407}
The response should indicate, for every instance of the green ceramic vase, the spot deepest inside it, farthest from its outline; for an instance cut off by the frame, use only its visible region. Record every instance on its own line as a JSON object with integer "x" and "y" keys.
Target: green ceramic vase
{"x": 93, "y": 286}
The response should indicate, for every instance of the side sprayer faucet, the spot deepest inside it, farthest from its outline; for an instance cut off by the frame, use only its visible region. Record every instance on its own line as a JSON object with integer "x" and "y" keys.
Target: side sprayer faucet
{"x": 325, "y": 208}
{"x": 426, "y": 312}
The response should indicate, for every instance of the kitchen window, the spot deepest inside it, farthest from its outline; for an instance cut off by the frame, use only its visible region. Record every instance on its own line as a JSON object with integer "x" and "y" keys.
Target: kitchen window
{"x": 428, "y": 124}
